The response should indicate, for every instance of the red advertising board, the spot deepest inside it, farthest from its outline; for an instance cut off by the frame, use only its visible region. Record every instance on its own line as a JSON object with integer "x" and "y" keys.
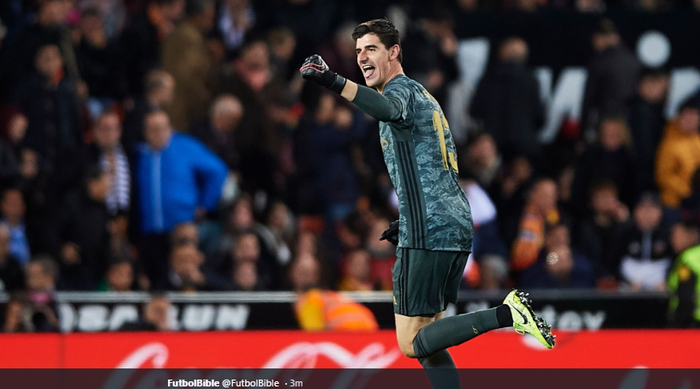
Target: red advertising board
{"x": 294, "y": 349}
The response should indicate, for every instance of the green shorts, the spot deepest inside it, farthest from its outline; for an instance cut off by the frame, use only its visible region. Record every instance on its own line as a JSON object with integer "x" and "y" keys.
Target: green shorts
{"x": 426, "y": 281}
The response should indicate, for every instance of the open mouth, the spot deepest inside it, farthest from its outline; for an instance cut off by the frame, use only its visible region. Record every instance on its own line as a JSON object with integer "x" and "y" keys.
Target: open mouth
{"x": 368, "y": 71}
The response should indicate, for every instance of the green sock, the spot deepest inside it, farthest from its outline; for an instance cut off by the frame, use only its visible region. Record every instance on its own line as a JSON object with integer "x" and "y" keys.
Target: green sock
{"x": 441, "y": 370}
{"x": 453, "y": 330}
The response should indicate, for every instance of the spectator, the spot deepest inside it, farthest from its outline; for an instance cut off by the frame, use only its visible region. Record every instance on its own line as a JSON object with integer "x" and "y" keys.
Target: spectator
{"x": 357, "y": 273}
{"x": 280, "y": 222}
{"x": 121, "y": 247}
{"x": 186, "y": 275}
{"x": 333, "y": 128}
{"x": 184, "y": 234}
{"x": 508, "y": 102}
{"x": 99, "y": 62}
{"x": 245, "y": 277}
{"x": 282, "y": 44}
{"x": 382, "y": 255}
{"x": 143, "y": 37}
{"x": 319, "y": 309}
{"x": 611, "y": 160}
{"x": 13, "y": 210}
{"x": 48, "y": 30}
{"x": 49, "y": 100}
{"x": 176, "y": 179}
{"x": 613, "y": 74}
{"x": 539, "y": 213}
{"x": 16, "y": 319}
{"x": 685, "y": 275}
{"x": 159, "y": 92}
{"x": 431, "y": 51}
{"x": 352, "y": 232}
{"x": 81, "y": 237}
{"x": 11, "y": 272}
{"x": 240, "y": 219}
{"x": 108, "y": 153}
{"x": 257, "y": 138}
{"x": 558, "y": 266}
{"x": 236, "y": 18}
{"x": 509, "y": 194}
{"x": 340, "y": 53}
{"x": 597, "y": 232}
{"x": 677, "y": 157}
{"x": 42, "y": 273}
{"x": 526, "y": 5}
{"x": 493, "y": 271}
{"x": 30, "y": 178}
{"x": 156, "y": 316}
{"x": 247, "y": 249}
{"x": 483, "y": 159}
{"x": 647, "y": 119}
{"x": 16, "y": 130}
{"x": 691, "y": 204}
{"x": 186, "y": 57}
{"x": 643, "y": 247}
{"x": 590, "y": 6}
{"x": 218, "y": 131}
{"x": 113, "y": 12}
{"x": 120, "y": 276}
{"x": 484, "y": 216}
{"x": 9, "y": 161}
{"x": 565, "y": 183}
{"x": 298, "y": 15}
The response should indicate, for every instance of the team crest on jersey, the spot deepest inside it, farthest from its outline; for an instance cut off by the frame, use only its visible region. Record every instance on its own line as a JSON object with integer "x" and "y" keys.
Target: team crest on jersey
{"x": 385, "y": 143}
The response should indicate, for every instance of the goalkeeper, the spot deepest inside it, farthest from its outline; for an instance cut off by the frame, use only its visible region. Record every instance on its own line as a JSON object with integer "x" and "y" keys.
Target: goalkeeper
{"x": 435, "y": 227}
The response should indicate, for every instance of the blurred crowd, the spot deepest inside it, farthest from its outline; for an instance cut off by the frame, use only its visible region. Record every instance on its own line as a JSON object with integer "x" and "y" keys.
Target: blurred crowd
{"x": 172, "y": 145}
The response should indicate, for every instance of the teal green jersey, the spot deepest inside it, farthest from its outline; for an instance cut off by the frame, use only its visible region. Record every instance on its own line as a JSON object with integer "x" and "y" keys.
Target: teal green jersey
{"x": 420, "y": 155}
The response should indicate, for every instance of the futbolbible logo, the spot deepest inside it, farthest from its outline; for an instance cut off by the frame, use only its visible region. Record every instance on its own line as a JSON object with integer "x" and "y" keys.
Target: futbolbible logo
{"x": 199, "y": 383}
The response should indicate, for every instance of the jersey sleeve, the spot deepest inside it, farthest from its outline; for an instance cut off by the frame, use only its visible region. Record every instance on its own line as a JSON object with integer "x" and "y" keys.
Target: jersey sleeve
{"x": 400, "y": 94}
{"x": 392, "y": 106}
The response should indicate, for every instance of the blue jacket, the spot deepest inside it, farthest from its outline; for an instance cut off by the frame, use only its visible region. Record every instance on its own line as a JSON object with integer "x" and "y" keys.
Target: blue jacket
{"x": 171, "y": 183}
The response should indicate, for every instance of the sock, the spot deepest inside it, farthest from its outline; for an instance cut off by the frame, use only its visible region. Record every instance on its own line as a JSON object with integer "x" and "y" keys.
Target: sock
{"x": 504, "y": 317}
{"x": 441, "y": 370}
{"x": 453, "y": 330}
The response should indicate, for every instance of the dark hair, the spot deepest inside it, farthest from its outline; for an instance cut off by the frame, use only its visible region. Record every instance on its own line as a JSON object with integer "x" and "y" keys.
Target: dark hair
{"x": 93, "y": 173}
{"x": 689, "y": 103}
{"x": 606, "y": 27}
{"x": 690, "y": 223}
{"x": 48, "y": 265}
{"x": 602, "y": 185}
{"x": 91, "y": 12}
{"x": 5, "y": 192}
{"x": 154, "y": 80}
{"x": 384, "y": 29}
{"x": 197, "y": 7}
{"x": 152, "y": 111}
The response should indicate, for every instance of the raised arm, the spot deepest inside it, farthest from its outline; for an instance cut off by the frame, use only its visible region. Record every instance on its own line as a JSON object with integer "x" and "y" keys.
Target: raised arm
{"x": 368, "y": 100}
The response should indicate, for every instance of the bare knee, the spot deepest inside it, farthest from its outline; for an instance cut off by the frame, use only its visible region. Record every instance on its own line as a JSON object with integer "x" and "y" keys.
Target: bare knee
{"x": 405, "y": 341}
{"x": 406, "y": 348}
{"x": 407, "y": 328}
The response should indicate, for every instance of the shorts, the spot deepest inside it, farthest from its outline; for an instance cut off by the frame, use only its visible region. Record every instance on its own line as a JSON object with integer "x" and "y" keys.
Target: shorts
{"x": 426, "y": 281}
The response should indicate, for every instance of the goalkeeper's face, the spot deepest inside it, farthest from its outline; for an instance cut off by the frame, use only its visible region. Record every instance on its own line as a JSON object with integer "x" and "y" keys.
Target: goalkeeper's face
{"x": 375, "y": 60}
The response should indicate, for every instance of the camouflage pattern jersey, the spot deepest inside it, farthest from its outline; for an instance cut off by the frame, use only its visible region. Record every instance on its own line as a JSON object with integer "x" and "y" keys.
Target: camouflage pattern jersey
{"x": 420, "y": 155}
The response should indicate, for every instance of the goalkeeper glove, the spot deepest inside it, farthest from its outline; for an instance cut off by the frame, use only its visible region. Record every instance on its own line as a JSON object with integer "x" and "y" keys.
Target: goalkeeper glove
{"x": 315, "y": 69}
{"x": 392, "y": 233}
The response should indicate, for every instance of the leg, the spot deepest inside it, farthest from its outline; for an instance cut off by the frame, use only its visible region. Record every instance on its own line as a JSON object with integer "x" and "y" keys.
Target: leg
{"x": 455, "y": 330}
{"x": 424, "y": 282}
{"x": 406, "y": 329}
{"x": 439, "y": 366}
